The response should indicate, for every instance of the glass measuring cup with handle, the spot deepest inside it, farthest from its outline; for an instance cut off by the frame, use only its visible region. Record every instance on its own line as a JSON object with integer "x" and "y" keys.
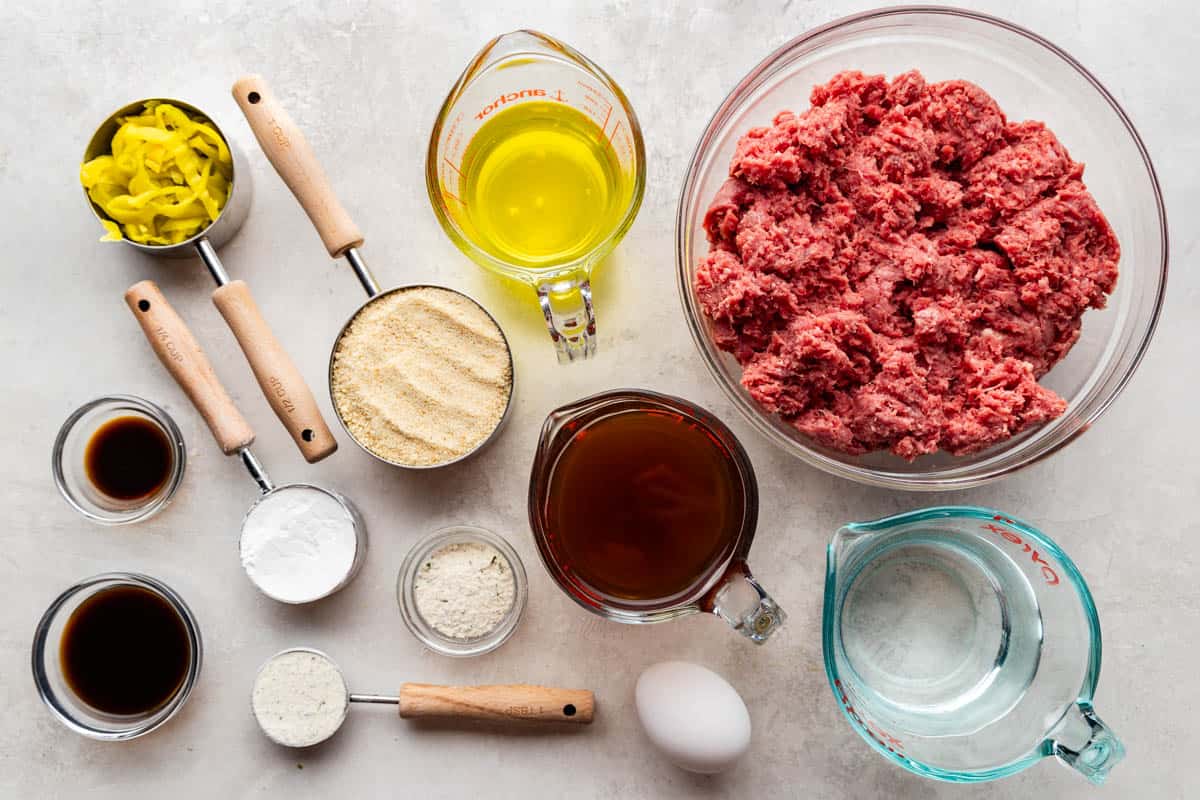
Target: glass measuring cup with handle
{"x": 722, "y": 585}
{"x": 964, "y": 645}
{"x": 544, "y": 81}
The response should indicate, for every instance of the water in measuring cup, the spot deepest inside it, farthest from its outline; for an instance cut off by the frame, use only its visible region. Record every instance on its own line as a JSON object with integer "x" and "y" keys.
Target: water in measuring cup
{"x": 541, "y": 185}
{"x": 944, "y": 633}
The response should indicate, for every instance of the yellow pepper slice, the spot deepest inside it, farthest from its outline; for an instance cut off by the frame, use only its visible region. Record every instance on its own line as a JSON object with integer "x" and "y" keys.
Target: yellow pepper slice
{"x": 166, "y": 179}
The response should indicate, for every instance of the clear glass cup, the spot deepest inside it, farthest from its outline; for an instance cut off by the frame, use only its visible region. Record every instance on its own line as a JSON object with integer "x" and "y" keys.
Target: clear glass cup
{"x": 1030, "y": 78}
{"x": 426, "y": 633}
{"x": 47, "y": 667}
{"x": 70, "y": 474}
{"x": 521, "y": 67}
{"x": 964, "y": 645}
{"x": 726, "y": 588}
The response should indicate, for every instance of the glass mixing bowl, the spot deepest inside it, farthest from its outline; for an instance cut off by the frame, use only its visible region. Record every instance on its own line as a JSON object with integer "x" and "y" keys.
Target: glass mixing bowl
{"x": 1031, "y": 79}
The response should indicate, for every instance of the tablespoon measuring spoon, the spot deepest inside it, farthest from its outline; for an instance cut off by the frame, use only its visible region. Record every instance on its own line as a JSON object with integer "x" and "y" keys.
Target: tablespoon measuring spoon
{"x": 299, "y": 543}
{"x": 300, "y": 699}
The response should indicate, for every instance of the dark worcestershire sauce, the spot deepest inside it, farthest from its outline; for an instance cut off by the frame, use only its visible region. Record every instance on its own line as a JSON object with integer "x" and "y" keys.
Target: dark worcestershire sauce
{"x": 128, "y": 458}
{"x": 642, "y": 502}
{"x": 125, "y": 650}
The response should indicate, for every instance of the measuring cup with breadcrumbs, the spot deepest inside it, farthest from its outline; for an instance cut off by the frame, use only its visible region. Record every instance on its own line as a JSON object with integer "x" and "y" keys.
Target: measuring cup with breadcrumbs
{"x": 536, "y": 169}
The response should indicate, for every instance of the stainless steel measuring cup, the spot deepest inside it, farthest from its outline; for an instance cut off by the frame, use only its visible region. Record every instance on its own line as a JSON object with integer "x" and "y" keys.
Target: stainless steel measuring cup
{"x": 317, "y": 678}
{"x": 963, "y": 645}
{"x": 528, "y": 67}
{"x": 289, "y": 152}
{"x": 181, "y": 354}
{"x": 280, "y": 380}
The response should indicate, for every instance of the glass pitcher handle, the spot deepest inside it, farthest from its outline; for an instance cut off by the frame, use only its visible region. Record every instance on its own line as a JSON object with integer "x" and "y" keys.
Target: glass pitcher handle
{"x": 567, "y": 306}
{"x": 740, "y": 601}
{"x": 1084, "y": 742}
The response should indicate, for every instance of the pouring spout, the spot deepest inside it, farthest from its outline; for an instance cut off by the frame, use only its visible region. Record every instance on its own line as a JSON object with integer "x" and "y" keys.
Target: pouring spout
{"x": 847, "y": 540}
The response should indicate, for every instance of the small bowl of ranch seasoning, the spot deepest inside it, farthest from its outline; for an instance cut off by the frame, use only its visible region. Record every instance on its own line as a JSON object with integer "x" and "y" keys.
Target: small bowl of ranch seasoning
{"x": 462, "y": 591}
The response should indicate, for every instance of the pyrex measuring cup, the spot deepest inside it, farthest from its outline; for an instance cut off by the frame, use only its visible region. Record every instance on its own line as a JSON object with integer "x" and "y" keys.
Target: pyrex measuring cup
{"x": 964, "y": 645}
{"x": 724, "y": 587}
{"x": 281, "y": 382}
{"x": 527, "y": 67}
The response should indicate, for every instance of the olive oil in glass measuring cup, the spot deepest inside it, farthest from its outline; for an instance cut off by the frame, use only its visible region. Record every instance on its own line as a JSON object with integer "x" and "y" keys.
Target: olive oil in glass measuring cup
{"x": 536, "y": 169}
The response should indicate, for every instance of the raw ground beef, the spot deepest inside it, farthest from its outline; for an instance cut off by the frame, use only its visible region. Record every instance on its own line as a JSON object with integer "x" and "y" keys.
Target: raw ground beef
{"x": 897, "y": 266}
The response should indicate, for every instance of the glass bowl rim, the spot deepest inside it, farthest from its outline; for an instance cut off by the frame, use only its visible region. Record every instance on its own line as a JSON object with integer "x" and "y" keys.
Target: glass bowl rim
{"x": 159, "y": 501}
{"x": 154, "y": 719}
{"x": 935, "y": 480}
{"x": 422, "y": 630}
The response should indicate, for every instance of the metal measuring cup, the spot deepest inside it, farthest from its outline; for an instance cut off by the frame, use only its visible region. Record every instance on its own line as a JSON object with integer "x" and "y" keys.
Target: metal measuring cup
{"x": 280, "y": 380}
{"x": 518, "y": 704}
{"x": 181, "y": 354}
{"x": 289, "y": 152}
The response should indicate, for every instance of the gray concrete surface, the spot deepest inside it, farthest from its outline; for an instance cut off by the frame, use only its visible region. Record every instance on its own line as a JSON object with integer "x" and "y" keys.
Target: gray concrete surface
{"x": 365, "y": 80}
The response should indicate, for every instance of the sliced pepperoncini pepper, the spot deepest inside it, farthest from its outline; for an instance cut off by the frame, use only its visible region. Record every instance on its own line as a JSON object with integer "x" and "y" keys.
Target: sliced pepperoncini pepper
{"x": 167, "y": 178}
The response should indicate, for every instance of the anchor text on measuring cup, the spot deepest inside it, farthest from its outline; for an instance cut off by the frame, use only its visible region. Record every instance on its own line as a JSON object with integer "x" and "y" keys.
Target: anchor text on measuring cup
{"x": 1048, "y": 572}
{"x": 511, "y": 97}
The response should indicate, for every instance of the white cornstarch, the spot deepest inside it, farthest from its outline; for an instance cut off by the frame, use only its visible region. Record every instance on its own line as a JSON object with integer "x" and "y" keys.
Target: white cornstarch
{"x": 464, "y": 590}
{"x": 299, "y": 698}
{"x": 298, "y": 544}
{"x": 421, "y": 376}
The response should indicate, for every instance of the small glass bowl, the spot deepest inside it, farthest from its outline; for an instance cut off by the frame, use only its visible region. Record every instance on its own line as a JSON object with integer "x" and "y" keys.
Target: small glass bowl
{"x": 70, "y": 475}
{"x": 52, "y": 685}
{"x": 425, "y": 633}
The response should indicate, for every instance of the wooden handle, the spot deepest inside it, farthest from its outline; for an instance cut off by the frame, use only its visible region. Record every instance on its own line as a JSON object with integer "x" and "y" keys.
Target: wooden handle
{"x": 281, "y": 382}
{"x": 180, "y": 353}
{"x": 517, "y": 703}
{"x": 294, "y": 160}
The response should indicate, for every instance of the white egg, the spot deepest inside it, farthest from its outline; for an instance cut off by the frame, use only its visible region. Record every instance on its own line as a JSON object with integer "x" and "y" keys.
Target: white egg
{"x": 693, "y": 716}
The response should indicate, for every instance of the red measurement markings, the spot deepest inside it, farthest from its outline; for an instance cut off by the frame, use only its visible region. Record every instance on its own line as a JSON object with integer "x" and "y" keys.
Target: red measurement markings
{"x": 453, "y": 196}
{"x": 885, "y": 739}
{"x": 594, "y": 102}
{"x": 612, "y": 136}
{"x": 450, "y": 164}
{"x": 1048, "y": 572}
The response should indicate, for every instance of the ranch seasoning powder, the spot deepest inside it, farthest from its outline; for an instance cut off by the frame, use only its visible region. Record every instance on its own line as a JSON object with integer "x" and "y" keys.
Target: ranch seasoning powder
{"x": 464, "y": 590}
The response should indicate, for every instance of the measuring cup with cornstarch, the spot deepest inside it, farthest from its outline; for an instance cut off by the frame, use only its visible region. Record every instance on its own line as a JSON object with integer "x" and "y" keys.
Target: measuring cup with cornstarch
{"x": 300, "y": 699}
{"x": 299, "y": 542}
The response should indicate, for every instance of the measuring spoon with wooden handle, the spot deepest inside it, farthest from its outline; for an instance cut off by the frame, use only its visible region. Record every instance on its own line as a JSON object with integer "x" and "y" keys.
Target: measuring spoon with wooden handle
{"x": 310, "y": 714}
